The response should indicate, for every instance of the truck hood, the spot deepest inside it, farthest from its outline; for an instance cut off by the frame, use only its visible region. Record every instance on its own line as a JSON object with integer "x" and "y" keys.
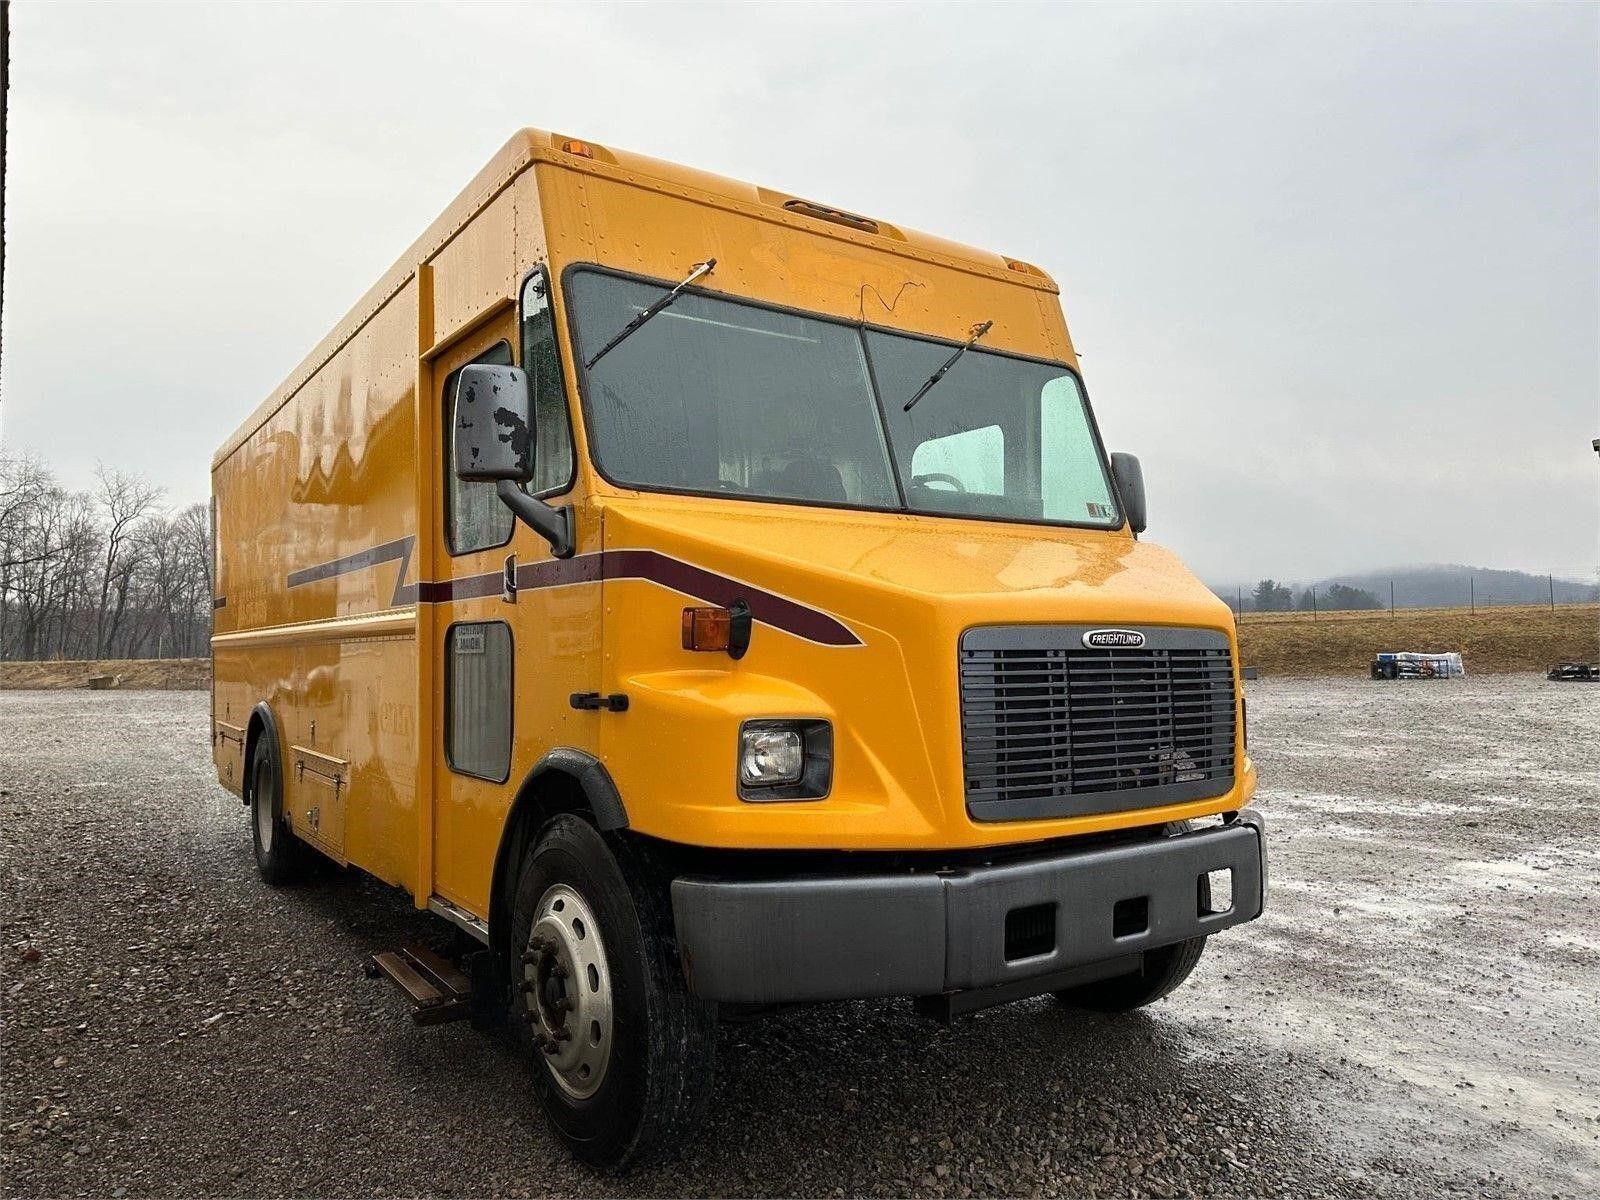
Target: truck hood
{"x": 859, "y": 619}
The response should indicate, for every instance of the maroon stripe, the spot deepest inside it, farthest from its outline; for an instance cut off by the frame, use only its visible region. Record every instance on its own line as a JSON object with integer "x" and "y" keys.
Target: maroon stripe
{"x": 554, "y": 572}
{"x": 400, "y": 548}
{"x": 770, "y": 609}
{"x": 777, "y": 611}
{"x": 465, "y": 587}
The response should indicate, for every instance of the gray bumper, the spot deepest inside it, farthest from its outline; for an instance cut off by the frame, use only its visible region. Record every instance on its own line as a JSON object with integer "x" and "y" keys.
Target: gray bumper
{"x": 911, "y": 934}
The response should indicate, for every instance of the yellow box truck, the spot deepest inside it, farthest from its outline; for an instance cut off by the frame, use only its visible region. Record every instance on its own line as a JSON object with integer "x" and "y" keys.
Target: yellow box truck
{"x": 707, "y": 600}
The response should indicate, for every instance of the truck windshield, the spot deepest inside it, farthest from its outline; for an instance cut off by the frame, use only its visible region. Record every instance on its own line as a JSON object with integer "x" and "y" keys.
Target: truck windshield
{"x": 719, "y": 396}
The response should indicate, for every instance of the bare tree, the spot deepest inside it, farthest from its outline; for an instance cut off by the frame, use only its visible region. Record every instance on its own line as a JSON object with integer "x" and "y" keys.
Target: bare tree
{"x": 175, "y": 578}
{"x": 24, "y": 484}
{"x": 191, "y": 533}
{"x": 99, "y": 574}
{"x": 126, "y": 501}
{"x": 56, "y": 540}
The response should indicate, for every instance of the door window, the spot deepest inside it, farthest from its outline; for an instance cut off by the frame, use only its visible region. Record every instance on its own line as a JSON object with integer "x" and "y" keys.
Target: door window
{"x": 552, "y": 427}
{"x": 474, "y": 517}
{"x": 478, "y": 698}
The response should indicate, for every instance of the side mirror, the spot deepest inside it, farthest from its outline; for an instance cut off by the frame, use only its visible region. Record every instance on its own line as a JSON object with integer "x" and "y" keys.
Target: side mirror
{"x": 494, "y": 424}
{"x": 1129, "y": 477}
{"x": 494, "y": 442}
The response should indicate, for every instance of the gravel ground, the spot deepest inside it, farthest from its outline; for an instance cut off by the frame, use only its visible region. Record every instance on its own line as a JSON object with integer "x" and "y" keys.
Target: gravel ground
{"x": 1414, "y": 1015}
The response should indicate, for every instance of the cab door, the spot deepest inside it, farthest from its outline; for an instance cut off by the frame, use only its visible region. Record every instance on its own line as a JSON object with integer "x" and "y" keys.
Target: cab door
{"x": 475, "y": 644}
{"x": 507, "y": 659}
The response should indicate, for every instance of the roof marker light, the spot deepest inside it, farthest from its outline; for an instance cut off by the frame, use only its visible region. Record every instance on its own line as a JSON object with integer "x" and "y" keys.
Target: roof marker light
{"x": 838, "y": 216}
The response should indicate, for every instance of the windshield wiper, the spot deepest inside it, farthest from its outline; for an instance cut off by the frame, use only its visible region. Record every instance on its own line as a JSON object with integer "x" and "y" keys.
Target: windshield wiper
{"x": 632, "y": 327}
{"x": 977, "y": 332}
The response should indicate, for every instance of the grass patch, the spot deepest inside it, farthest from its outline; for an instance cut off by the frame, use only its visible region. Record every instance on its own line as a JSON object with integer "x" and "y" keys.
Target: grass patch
{"x": 1491, "y": 640}
{"x": 164, "y": 674}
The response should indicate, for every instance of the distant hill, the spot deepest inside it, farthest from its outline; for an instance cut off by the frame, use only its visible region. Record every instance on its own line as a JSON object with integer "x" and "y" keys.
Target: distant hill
{"x": 1438, "y": 585}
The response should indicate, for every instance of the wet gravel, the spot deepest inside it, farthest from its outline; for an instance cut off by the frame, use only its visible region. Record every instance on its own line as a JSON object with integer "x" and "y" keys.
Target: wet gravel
{"x": 1415, "y": 1015}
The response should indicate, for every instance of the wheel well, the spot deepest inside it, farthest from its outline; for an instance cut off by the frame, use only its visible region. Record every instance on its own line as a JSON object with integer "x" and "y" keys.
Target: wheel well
{"x": 261, "y": 724}
{"x": 251, "y": 737}
{"x": 546, "y": 792}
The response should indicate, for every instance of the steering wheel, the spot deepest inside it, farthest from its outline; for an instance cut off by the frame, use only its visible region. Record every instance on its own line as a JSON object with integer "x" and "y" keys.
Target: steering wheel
{"x": 938, "y": 477}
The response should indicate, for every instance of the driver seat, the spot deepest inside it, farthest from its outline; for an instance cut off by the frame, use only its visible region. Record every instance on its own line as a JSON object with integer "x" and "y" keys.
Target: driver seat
{"x": 810, "y": 479}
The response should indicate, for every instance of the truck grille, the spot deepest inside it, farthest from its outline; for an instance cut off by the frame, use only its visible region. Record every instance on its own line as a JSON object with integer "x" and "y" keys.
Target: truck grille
{"x": 1052, "y": 728}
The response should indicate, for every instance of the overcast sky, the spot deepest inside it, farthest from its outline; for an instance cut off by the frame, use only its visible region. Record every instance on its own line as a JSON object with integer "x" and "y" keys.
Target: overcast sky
{"x": 1333, "y": 270}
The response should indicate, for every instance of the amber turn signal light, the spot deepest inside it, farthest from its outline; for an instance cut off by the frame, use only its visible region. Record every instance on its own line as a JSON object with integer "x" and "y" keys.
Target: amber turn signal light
{"x": 581, "y": 149}
{"x": 706, "y": 628}
{"x": 718, "y": 629}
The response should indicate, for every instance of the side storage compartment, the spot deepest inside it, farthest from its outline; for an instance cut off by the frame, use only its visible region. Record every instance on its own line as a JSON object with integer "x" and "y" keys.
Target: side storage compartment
{"x": 227, "y": 752}
{"x": 322, "y": 783}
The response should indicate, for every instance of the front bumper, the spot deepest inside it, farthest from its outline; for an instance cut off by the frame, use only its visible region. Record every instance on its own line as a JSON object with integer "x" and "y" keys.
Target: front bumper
{"x": 996, "y": 925}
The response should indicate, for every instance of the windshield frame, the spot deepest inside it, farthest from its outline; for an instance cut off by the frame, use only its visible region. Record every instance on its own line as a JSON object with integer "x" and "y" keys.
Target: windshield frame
{"x": 581, "y": 374}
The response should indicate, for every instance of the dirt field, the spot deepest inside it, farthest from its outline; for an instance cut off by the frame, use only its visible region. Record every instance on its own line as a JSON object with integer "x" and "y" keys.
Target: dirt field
{"x": 1413, "y": 1016}
{"x": 1527, "y": 638}
{"x": 180, "y": 674}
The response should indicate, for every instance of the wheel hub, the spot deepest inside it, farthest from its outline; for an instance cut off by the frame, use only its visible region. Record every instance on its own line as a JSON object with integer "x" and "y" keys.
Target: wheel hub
{"x": 566, "y": 990}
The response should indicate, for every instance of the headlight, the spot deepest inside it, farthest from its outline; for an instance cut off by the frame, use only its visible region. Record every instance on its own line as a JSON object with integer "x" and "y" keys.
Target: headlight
{"x": 785, "y": 759}
{"x": 769, "y": 756}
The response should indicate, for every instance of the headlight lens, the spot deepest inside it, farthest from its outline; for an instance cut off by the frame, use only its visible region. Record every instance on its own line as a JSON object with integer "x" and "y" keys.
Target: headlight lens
{"x": 769, "y": 756}
{"x": 785, "y": 759}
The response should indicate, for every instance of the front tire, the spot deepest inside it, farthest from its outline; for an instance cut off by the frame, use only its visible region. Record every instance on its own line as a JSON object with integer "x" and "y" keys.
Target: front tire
{"x": 1163, "y": 972}
{"x": 277, "y": 849}
{"x": 622, "y": 1053}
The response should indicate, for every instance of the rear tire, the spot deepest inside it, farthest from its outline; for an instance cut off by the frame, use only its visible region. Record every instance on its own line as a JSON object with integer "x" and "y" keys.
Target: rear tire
{"x": 277, "y": 849}
{"x": 622, "y": 1053}
{"x": 1162, "y": 972}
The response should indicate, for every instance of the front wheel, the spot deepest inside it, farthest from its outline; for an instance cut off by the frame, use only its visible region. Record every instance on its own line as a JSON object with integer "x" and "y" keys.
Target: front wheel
{"x": 622, "y": 1052}
{"x": 1161, "y": 974}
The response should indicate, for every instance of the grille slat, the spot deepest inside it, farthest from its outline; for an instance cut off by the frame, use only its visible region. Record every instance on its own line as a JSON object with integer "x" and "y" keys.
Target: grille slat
{"x": 1057, "y": 667}
{"x": 1109, "y": 712}
{"x": 1133, "y": 661}
{"x": 1050, "y": 727}
{"x": 1082, "y": 762}
{"x": 1106, "y": 730}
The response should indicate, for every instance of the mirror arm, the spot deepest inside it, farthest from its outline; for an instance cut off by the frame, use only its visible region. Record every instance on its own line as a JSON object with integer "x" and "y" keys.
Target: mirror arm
{"x": 555, "y": 525}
